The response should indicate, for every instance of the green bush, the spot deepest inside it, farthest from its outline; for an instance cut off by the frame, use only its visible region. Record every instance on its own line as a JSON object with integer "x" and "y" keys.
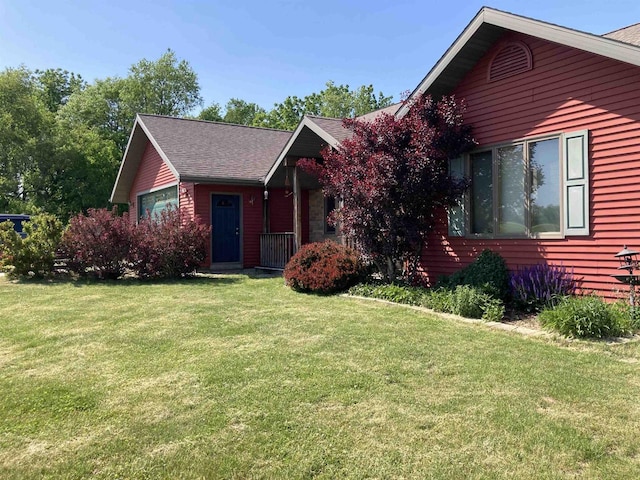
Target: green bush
{"x": 35, "y": 254}
{"x": 488, "y": 273}
{"x": 391, "y": 292}
{"x": 439, "y": 299}
{"x": 471, "y": 302}
{"x": 587, "y": 316}
{"x": 465, "y": 301}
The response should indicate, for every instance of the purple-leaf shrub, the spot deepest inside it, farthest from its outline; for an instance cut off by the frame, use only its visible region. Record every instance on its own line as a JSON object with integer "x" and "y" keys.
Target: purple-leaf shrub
{"x": 392, "y": 176}
{"x": 169, "y": 245}
{"x": 98, "y": 244}
{"x": 538, "y": 286}
{"x": 323, "y": 267}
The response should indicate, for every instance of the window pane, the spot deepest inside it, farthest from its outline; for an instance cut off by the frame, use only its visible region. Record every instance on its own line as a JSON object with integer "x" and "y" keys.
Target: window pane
{"x": 154, "y": 203}
{"x": 511, "y": 193}
{"x": 329, "y": 207}
{"x": 544, "y": 164}
{"x": 482, "y": 193}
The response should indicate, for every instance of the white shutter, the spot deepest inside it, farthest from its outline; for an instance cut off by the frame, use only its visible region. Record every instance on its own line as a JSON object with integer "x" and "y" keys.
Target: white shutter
{"x": 575, "y": 173}
{"x": 457, "y": 214}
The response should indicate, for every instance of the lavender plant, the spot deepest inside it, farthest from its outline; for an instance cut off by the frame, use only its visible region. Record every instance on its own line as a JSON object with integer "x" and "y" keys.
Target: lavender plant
{"x": 538, "y": 286}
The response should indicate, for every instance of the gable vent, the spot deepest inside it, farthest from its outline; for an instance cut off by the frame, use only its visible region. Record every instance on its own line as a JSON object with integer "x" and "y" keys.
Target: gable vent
{"x": 511, "y": 59}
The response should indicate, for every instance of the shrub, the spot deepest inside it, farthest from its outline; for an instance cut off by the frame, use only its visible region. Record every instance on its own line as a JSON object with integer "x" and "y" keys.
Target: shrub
{"x": 407, "y": 295}
{"x": 536, "y": 287}
{"x": 465, "y": 301}
{"x": 323, "y": 267}
{"x": 488, "y": 273}
{"x": 471, "y": 302}
{"x": 439, "y": 299}
{"x": 35, "y": 254}
{"x": 98, "y": 244}
{"x": 587, "y": 316}
{"x": 168, "y": 246}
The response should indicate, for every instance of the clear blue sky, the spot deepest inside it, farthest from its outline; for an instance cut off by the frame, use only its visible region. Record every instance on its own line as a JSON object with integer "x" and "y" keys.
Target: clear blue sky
{"x": 263, "y": 51}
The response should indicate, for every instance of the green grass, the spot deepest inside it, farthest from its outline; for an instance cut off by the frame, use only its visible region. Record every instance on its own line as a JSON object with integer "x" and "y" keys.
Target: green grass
{"x": 238, "y": 377}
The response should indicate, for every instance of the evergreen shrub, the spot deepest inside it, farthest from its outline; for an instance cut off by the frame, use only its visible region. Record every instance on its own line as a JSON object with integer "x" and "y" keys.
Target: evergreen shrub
{"x": 488, "y": 273}
{"x": 35, "y": 254}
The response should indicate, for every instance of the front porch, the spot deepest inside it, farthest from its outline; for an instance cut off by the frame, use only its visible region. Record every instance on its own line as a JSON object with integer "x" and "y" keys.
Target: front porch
{"x": 302, "y": 194}
{"x": 276, "y": 249}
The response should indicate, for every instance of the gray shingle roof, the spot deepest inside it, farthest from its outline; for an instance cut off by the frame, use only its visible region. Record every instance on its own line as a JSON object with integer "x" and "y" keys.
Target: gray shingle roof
{"x": 630, "y": 34}
{"x": 390, "y": 110}
{"x": 200, "y": 150}
{"x": 333, "y": 126}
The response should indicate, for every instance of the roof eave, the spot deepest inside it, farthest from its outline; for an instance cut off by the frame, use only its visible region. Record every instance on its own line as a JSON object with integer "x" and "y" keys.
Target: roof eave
{"x": 311, "y": 125}
{"x": 131, "y": 161}
{"x": 588, "y": 42}
{"x": 222, "y": 181}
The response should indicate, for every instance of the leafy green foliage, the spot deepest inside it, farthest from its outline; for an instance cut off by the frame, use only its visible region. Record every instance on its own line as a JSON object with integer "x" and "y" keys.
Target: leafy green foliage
{"x": 25, "y": 138}
{"x": 61, "y": 140}
{"x": 488, "y": 272}
{"x": 464, "y": 300}
{"x": 35, "y": 254}
{"x": 392, "y": 292}
{"x": 587, "y": 316}
{"x": 335, "y": 101}
{"x": 240, "y": 112}
{"x": 212, "y": 113}
{"x": 166, "y": 86}
{"x": 55, "y": 86}
{"x": 323, "y": 267}
{"x": 392, "y": 176}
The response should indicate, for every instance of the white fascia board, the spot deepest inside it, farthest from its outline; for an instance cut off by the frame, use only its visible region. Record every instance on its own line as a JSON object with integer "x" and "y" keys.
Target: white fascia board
{"x": 159, "y": 150}
{"x": 305, "y": 122}
{"x": 124, "y": 157}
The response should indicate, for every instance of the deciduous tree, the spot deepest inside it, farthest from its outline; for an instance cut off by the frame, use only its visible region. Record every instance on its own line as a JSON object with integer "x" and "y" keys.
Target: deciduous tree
{"x": 392, "y": 178}
{"x": 335, "y": 101}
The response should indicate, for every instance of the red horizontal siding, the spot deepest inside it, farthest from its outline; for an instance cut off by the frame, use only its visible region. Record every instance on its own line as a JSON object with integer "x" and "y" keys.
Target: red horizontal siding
{"x": 566, "y": 90}
{"x": 152, "y": 173}
{"x": 281, "y": 212}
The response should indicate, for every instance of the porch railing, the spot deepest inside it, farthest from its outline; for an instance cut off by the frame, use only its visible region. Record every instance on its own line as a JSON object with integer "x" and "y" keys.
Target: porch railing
{"x": 276, "y": 249}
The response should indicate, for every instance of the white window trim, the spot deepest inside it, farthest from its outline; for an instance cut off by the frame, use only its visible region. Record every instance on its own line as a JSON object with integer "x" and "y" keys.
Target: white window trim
{"x": 152, "y": 190}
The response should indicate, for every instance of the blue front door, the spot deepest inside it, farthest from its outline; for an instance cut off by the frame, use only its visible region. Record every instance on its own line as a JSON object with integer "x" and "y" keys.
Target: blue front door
{"x": 225, "y": 225}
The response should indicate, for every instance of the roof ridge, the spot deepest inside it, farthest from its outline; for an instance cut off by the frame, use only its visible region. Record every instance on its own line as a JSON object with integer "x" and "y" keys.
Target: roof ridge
{"x": 620, "y": 29}
{"x": 325, "y": 118}
{"x": 169, "y": 117}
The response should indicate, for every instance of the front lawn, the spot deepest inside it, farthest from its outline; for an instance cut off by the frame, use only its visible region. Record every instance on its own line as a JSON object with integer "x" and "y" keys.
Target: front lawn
{"x": 239, "y": 377}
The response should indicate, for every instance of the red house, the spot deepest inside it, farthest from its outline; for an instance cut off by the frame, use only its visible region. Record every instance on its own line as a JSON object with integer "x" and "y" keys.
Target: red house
{"x": 555, "y": 111}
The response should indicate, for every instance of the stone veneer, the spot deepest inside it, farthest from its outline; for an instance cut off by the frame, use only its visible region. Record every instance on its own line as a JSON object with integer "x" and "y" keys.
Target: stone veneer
{"x": 316, "y": 219}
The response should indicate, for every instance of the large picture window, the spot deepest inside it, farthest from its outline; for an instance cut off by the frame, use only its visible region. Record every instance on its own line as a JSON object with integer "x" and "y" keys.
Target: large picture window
{"x": 152, "y": 204}
{"x": 529, "y": 188}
